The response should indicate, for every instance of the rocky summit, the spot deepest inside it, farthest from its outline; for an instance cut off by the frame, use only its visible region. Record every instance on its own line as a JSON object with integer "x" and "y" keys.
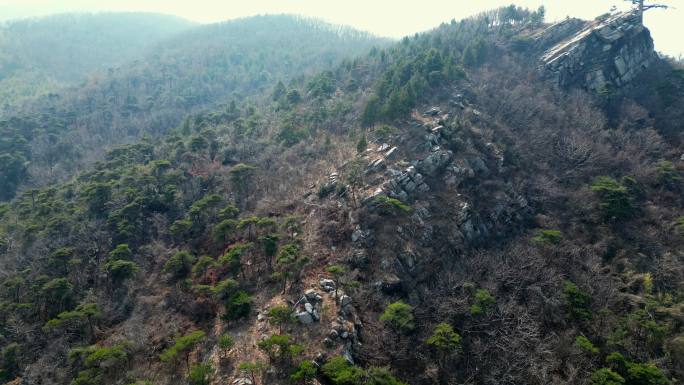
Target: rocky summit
{"x": 602, "y": 55}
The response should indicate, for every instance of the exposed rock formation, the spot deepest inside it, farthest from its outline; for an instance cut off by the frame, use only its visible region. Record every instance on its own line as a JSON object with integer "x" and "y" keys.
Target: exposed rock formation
{"x": 603, "y": 56}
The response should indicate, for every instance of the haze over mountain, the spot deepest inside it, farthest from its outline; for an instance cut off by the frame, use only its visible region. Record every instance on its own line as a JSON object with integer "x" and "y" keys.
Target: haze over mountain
{"x": 201, "y": 67}
{"x": 278, "y": 200}
{"x": 39, "y": 55}
{"x": 381, "y": 17}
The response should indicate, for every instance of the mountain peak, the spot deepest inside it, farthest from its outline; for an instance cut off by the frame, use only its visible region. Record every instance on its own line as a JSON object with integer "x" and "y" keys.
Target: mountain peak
{"x": 602, "y": 55}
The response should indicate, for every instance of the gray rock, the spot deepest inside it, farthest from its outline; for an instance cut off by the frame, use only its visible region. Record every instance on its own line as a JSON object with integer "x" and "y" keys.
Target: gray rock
{"x": 434, "y": 162}
{"x": 390, "y": 284}
{"x": 359, "y": 258}
{"x": 312, "y": 295}
{"x": 391, "y": 153}
{"x": 242, "y": 381}
{"x": 345, "y": 301}
{"x": 602, "y": 55}
{"x": 348, "y": 356}
{"x": 432, "y": 111}
{"x": 304, "y": 317}
{"x": 423, "y": 188}
{"x": 309, "y": 308}
{"x": 327, "y": 284}
{"x": 357, "y": 235}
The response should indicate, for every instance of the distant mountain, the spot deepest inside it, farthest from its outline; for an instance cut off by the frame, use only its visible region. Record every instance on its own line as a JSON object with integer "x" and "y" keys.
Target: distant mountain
{"x": 40, "y": 53}
{"x": 200, "y": 68}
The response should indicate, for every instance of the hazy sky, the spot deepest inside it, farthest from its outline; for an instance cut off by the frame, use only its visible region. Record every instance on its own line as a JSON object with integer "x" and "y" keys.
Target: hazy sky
{"x": 394, "y": 18}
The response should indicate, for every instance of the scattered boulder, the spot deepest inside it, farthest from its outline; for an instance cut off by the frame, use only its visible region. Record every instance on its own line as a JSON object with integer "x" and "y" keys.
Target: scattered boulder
{"x": 432, "y": 111}
{"x": 304, "y": 317}
{"x": 389, "y": 284}
{"x": 434, "y": 162}
{"x": 313, "y": 296}
{"x": 358, "y": 258}
{"x": 242, "y": 381}
{"x": 345, "y": 301}
{"x": 375, "y": 165}
{"x": 327, "y": 285}
{"x": 391, "y": 153}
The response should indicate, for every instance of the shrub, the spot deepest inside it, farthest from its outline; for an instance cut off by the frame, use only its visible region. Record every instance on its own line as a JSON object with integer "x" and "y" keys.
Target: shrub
{"x": 180, "y": 228}
{"x": 83, "y": 312}
{"x": 387, "y": 205}
{"x": 231, "y": 259}
{"x": 305, "y": 372}
{"x": 106, "y": 356}
{"x": 341, "y": 372}
{"x": 252, "y": 369}
{"x": 182, "y": 345}
{"x": 289, "y": 261}
{"x": 200, "y": 374}
{"x": 548, "y": 237}
{"x": 279, "y": 346}
{"x": 399, "y": 316}
{"x": 617, "y": 362}
{"x": 92, "y": 376}
{"x": 225, "y": 343}
{"x": 122, "y": 251}
{"x": 381, "y": 376}
{"x": 576, "y": 301}
{"x": 179, "y": 264}
{"x": 225, "y": 289}
{"x": 645, "y": 374}
{"x": 483, "y": 302}
{"x": 121, "y": 270}
{"x": 362, "y": 144}
{"x": 615, "y": 198}
{"x": 270, "y": 244}
{"x": 585, "y": 345}
{"x": 223, "y": 230}
{"x": 229, "y": 212}
{"x": 280, "y": 315}
{"x": 445, "y": 339}
{"x": 605, "y": 376}
{"x": 9, "y": 367}
{"x": 201, "y": 266}
{"x": 680, "y": 223}
{"x": 238, "y": 306}
{"x": 667, "y": 174}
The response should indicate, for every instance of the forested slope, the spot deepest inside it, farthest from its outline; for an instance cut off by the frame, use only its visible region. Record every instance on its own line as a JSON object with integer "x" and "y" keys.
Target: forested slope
{"x": 438, "y": 211}
{"x": 202, "y": 68}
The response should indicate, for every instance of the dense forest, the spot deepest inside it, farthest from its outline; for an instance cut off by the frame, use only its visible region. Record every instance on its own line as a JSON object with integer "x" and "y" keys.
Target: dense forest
{"x": 204, "y": 67}
{"x": 248, "y": 203}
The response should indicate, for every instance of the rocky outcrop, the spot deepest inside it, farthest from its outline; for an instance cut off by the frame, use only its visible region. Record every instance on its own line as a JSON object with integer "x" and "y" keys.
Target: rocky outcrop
{"x": 603, "y": 56}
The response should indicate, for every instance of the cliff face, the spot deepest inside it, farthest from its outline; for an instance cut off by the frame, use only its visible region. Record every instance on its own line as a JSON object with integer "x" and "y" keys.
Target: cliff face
{"x": 601, "y": 56}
